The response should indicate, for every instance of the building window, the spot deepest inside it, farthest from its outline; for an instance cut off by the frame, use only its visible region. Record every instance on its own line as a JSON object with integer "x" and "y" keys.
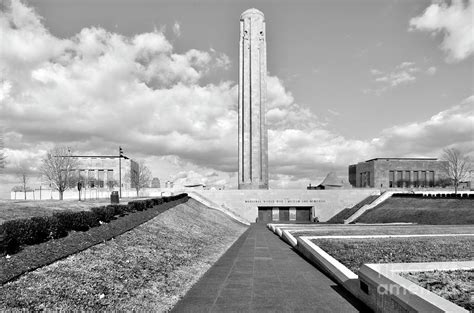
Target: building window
{"x": 423, "y": 179}
{"x": 407, "y": 179}
{"x": 101, "y": 179}
{"x": 399, "y": 179}
{"x": 431, "y": 179}
{"x": 368, "y": 179}
{"x": 110, "y": 179}
{"x": 91, "y": 179}
{"x": 416, "y": 179}
{"x": 391, "y": 175}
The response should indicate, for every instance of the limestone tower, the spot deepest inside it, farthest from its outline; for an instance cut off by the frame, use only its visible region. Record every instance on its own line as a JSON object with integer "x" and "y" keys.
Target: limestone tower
{"x": 253, "y": 145}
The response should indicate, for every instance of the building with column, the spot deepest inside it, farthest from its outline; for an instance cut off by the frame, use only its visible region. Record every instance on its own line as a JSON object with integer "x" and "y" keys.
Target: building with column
{"x": 103, "y": 171}
{"x": 253, "y": 144}
{"x": 398, "y": 173}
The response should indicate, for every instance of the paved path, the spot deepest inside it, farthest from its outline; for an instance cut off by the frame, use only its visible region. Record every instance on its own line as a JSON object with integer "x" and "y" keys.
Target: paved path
{"x": 261, "y": 273}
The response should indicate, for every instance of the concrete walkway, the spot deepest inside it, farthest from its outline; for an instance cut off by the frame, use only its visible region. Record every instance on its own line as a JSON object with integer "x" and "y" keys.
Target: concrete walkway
{"x": 261, "y": 273}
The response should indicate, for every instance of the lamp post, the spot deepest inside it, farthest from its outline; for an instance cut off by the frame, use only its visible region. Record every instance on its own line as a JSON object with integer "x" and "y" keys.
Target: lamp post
{"x": 120, "y": 171}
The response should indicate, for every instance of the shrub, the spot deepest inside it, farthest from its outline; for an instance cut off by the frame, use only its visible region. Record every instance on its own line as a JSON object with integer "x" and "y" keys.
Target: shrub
{"x": 23, "y": 232}
{"x": 40, "y": 229}
{"x": 138, "y": 205}
{"x": 79, "y": 221}
{"x": 56, "y": 229}
{"x": 118, "y": 209}
{"x": 157, "y": 201}
{"x": 149, "y": 203}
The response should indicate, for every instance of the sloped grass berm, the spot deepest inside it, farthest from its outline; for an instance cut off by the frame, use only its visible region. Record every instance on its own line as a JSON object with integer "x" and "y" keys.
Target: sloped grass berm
{"x": 146, "y": 269}
{"x": 39, "y": 241}
{"x": 421, "y": 210}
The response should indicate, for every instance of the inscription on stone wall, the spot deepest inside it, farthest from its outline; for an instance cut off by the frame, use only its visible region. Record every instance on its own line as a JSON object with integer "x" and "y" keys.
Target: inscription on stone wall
{"x": 284, "y": 201}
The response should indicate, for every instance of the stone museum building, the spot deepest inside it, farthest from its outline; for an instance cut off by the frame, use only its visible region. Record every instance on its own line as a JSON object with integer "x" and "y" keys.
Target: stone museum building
{"x": 104, "y": 171}
{"x": 397, "y": 173}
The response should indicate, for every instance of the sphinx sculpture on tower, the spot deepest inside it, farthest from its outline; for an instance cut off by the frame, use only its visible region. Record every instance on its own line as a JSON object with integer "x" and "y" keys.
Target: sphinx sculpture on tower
{"x": 253, "y": 138}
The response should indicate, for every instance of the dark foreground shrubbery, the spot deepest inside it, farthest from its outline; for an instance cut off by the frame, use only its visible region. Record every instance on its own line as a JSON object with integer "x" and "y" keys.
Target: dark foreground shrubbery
{"x": 29, "y": 231}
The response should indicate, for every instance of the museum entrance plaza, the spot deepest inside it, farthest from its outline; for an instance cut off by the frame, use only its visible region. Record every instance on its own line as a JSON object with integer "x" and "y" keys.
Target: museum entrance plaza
{"x": 261, "y": 273}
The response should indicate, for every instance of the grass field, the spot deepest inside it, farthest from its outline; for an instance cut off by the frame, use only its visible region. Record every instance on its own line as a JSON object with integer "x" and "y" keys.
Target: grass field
{"x": 353, "y": 253}
{"x": 455, "y": 286}
{"x": 15, "y": 209}
{"x": 440, "y": 211}
{"x": 146, "y": 269}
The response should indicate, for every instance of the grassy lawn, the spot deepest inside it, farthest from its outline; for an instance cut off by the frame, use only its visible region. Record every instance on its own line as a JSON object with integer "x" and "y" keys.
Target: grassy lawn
{"x": 438, "y": 211}
{"x": 16, "y": 209}
{"x": 146, "y": 269}
{"x": 346, "y": 230}
{"x": 353, "y": 253}
{"x": 455, "y": 286}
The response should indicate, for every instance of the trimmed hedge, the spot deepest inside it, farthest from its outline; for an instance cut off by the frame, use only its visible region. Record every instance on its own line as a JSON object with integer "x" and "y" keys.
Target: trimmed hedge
{"x": 29, "y": 231}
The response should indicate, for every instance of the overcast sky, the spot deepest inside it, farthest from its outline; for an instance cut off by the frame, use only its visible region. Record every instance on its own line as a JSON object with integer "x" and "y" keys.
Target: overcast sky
{"x": 348, "y": 81}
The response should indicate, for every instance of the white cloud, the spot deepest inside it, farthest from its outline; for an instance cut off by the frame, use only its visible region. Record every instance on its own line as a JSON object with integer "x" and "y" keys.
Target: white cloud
{"x": 431, "y": 70}
{"x": 406, "y": 65}
{"x": 375, "y": 71}
{"x": 333, "y": 112}
{"x": 177, "y": 29}
{"x": 454, "y": 21}
{"x": 403, "y": 73}
{"x": 452, "y": 127}
{"x": 98, "y": 90}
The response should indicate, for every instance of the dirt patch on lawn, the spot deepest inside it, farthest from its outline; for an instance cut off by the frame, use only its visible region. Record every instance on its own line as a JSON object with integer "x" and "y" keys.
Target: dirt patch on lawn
{"x": 147, "y": 269}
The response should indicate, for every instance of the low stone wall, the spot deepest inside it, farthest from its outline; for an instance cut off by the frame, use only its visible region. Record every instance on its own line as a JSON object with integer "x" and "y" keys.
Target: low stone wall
{"x": 325, "y": 203}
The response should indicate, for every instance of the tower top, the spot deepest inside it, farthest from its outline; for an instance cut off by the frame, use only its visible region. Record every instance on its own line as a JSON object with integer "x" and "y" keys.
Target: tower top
{"x": 252, "y": 11}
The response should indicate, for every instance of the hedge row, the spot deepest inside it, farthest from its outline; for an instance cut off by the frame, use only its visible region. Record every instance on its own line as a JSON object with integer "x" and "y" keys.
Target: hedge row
{"x": 437, "y": 195}
{"x": 29, "y": 231}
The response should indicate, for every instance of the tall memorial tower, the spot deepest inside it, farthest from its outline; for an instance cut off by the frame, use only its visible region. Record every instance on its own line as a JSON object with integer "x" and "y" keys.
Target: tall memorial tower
{"x": 253, "y": 141}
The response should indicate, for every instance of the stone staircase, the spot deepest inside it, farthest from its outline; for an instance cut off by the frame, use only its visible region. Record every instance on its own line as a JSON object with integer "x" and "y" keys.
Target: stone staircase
{"x": 206, "y": 201}
{"x": 384, "y": 196}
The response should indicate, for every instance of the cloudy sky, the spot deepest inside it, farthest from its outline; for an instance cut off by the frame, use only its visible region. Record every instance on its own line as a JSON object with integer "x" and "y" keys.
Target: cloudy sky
{"x": 348, "y": 81}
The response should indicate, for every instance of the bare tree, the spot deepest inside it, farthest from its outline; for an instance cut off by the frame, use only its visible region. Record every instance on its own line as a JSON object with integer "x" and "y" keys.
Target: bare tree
{"x": 59, "y": 168}
{"x": 140, "y": 176}
{"x": 456, "y": 166}
{"x": 23, "y": 173}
